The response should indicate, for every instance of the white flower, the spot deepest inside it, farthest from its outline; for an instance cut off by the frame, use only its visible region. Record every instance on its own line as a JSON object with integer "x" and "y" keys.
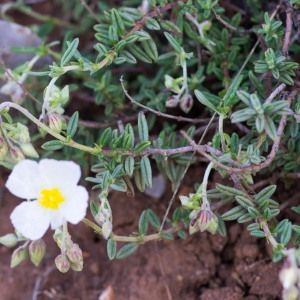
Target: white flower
{"x": 58, "y": 198}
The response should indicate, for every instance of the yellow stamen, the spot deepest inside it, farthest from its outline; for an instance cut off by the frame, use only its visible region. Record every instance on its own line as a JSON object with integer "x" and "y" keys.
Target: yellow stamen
{"x": 51, "y": 198}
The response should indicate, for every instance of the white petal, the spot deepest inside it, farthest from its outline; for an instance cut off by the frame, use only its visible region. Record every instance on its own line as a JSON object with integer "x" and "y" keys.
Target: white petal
{"x": 30, "y": 219}
{"x": 24, "y": 180}
{"x": 55, "y": 173}
{"x": 74, "y": 209}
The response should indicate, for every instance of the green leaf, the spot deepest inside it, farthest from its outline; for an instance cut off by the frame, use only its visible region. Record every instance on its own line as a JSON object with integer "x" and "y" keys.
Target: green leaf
{"x": 233, "y": 214}
{"x": 173, "y": 42}
{"x": 264, "y": 194}
{"x": 150, "y": 48}
{"x": 201, "y": 97}
{"x": 72, "y": 47}
{"x": 229, "y": 191}
{"x": 253, "y": 212}
{"x": 245, "y": 218}
{"x": 143, "y": 222}
{"x": 73, "y": 124}
{"x": 152, "y": 24}
{"x": 139, "y": 53}
{"x": 253, "y": 226}
{"x": 140, "y": 147}
{"x": 286, "y": 233}
{"x": 129, "y": 165}
{"x": 146, "y": 171}
{"x": 270, "y": 128}
{"x": 168, "y": 236}
{"x": 94, "y": 208}
{"x": 153, "y": 219}
{"x": 143, "y": 128}
{"x": 229, "y": 98}
{"x": 127, "y": 250}
{"x": 221, "y": 227}
{"x": 139, "y": 180}
{"x": 117, "y": 22}
{"x": 105, "y": 137}
{"x": 52, "y": 145}
{"x": 258, "y": 233}
{"x": 243, "y": 201}
{"x": 111, "y": 248}
{"x": 182, "y": 234}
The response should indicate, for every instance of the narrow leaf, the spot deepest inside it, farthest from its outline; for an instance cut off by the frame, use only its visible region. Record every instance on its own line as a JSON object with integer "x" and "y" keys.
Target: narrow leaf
{"x": 111, "y": 248}
{"x": 52, "y": 145}
{"x": 146, "y": 171}
{"x": 72, "y": 47}
{"x": 127, "y": 250}
{"x": 143, "y": 222}
{"x": 73, "y": 124}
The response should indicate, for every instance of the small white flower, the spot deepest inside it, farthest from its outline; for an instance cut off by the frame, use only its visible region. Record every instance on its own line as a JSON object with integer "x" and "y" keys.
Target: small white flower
{"x": 58, "y": 198}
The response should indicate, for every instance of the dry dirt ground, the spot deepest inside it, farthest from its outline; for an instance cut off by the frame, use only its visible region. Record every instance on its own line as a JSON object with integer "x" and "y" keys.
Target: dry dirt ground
{"x": 201, "y": 267}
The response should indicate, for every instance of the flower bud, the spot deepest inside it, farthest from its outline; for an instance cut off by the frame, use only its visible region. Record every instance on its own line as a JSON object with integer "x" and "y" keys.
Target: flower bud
{"x": 172, "y": 101}
{"x": 62, "y": 263}
{"x": 74, "y": 253}
{"x": 213, "y": 224}
{"x": 186, "y": 102}
{"x": 55, "y": 122}
{"x": 18, "y": 256}
{"x": 37, "y": 250}
{"x": 16, "y": 155}
{"x": 21, "y": 134}
{"x": 77, "y": 266}
{"x": 28, "y": 150}
{"x": 9, "y": 240}
{"x": 13, "y": 90}
{"x": 106, "y": 229}
{"x": 3, "y": 149}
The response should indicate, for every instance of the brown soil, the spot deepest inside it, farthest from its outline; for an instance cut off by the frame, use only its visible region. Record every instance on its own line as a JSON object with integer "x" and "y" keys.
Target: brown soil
{"x": 201, "y": 267}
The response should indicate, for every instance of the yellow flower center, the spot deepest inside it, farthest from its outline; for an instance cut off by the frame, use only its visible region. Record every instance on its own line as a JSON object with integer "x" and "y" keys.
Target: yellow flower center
{"x": 51, "y": 198}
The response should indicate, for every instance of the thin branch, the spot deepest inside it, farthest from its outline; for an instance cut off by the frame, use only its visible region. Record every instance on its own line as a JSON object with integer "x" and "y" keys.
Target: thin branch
{"x": 280, "y": 88}
{"x": 229, "y": 26}
{"x": 288, "y": 31}
{"x": 90, "y": 11}
{"x": 158, "y": 113}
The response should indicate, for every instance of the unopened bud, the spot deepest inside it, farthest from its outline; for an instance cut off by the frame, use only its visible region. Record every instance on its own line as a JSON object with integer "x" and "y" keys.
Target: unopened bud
{"x": 37, "y": 250}
{"x": 18, "y": 256}
{"x": 9, "y": 240}
{"x": 55, "y": 122}
{"x": 172, "y": 101}
{"x": 106, "y": 229}
{"x": 3, "y": 149}
{"x": 21, "y": 134}
{"x": 13, "y": 90}
{"x": 28, "y": 150}
{"x": 77, "y": 266}
{"x": 74, "y": 253}
{"x": 62, "y": 263}
{"x": 186, "y": 102}
{"x": 16, "y": 155}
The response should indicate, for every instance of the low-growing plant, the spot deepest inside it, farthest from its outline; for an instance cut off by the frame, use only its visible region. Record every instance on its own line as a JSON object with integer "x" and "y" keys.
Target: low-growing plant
{"x": 196, "y": 65}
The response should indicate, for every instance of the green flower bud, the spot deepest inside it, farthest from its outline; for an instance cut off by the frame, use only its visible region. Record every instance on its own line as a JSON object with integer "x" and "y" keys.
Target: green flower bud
{"x": 3, "y": 149}
{"x": 18, "y": 256}
{"x": 28, "y": 150}
{"x": 21, "y": 134}
{"x": 213, "y": 224}
{"x": 74, "y": 254}
{"x": 16, "y": 155}
{"x": 9, "y": 240}
{"x": 55, "y": 122}
{"x": 37, "y": 250}
{"x": 62, "y": 263}
{"x": 77, "y": 266}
